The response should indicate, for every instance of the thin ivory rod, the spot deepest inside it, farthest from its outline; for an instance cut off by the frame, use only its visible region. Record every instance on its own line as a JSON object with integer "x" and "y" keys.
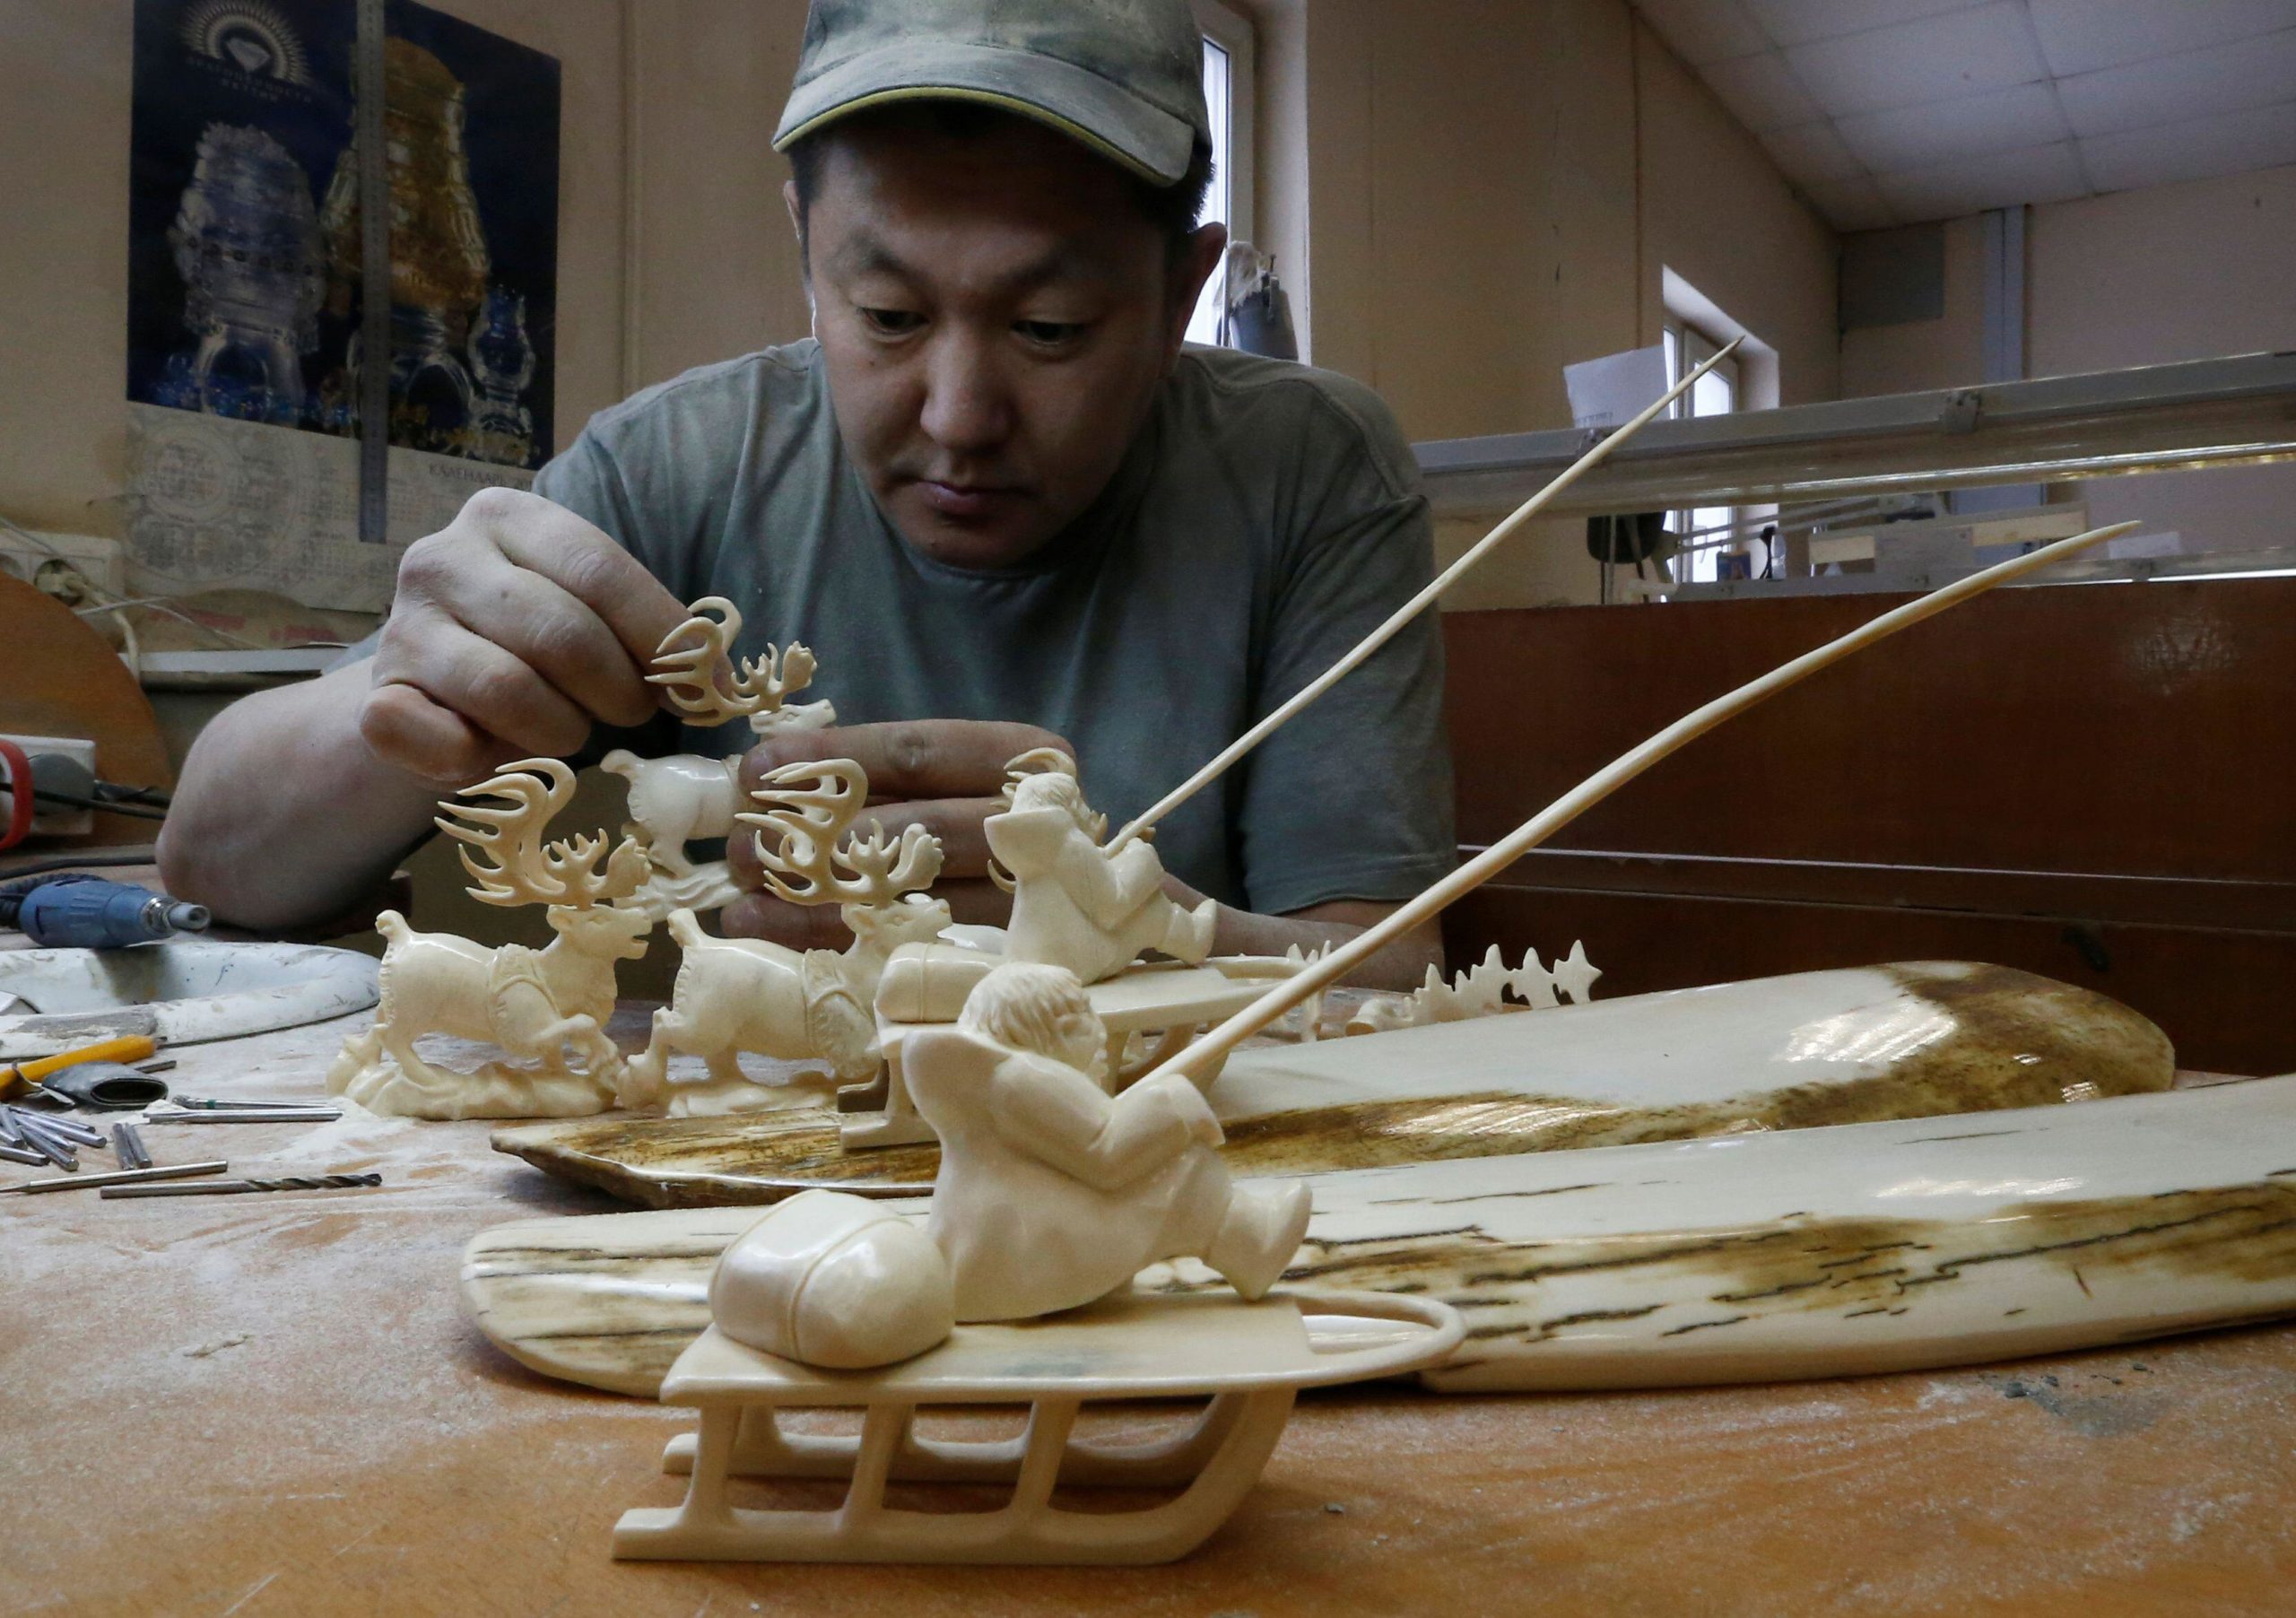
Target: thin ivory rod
{"x": 1411, "y": 609}
{"x": 1599, "y": 786}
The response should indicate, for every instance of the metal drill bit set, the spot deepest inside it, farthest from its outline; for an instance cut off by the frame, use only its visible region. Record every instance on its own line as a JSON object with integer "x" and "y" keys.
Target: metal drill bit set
{"x": 51, "y": 1139}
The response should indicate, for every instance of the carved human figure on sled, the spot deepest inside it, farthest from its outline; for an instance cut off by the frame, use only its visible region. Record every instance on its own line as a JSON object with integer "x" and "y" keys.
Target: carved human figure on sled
{"x": 1051, "y": 1192}
{"x": 1075, "y": 903}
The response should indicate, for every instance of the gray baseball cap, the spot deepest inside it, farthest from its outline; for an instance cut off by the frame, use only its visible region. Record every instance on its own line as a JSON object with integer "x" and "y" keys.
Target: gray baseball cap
{"x": 1126, "y": 77}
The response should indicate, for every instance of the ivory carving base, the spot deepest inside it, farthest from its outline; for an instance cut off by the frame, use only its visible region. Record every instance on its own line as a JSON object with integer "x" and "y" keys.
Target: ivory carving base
{"x": 1829, "y": 1251}
{"x": 1916, "y": 1039}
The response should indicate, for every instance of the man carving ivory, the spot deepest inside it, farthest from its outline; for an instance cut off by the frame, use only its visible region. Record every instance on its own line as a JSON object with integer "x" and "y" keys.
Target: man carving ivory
{"x": 994, "y": 493}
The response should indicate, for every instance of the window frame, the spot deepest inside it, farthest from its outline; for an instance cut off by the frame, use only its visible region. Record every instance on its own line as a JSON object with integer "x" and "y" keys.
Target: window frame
{"x": 1686, "y": 346}
{"x": 1232, "y": 32}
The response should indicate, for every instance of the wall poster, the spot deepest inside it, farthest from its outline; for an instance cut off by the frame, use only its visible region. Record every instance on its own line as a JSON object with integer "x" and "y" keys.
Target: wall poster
{"x": 244, "y": 288}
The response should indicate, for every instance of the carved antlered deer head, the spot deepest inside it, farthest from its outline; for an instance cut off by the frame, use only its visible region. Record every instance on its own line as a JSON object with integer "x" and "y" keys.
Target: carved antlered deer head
{"x": 524, "y": 869}
{"x": 804, "y": 808}
{"x": 689, "y": 662}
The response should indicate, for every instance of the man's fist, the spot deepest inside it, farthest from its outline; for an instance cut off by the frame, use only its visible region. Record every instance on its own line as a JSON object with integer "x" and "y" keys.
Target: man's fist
{"x": 945, "y": 775}
{"x": 514, "y": 630}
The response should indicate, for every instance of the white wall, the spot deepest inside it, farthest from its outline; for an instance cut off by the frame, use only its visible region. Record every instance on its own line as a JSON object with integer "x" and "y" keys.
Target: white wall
{"x": 2191, "y": 271}
{"x": 1493, "y": 192}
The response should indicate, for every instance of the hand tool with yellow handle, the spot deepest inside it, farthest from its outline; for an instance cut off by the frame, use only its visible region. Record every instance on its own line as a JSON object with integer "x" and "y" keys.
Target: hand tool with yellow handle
{"x": 131, "y": 1048}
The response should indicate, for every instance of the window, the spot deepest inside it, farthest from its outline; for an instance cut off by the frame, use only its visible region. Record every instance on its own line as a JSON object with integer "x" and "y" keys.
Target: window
{"x": 1707, "y": 532}
{"x": 1227, "y": 96}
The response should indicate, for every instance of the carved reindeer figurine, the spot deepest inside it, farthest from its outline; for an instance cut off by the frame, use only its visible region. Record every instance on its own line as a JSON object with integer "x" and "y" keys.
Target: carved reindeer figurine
{"x": 734, "y": 995}
{"x": 676, "y": 799}
{"x": 532, "y": 1003}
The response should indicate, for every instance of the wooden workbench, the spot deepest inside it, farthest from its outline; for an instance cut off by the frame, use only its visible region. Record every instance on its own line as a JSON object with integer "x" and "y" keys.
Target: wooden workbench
{"x": 273, "y": 1404}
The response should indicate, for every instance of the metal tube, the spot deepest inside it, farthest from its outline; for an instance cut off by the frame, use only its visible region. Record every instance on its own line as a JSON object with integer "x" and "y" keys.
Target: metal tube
{"x": 276, "y": 1115}
{"x": 125, "y": 1176}
{"x": 204, "y": 1103}
{"x": 128, "y": 1146}
{"x": 56, "y": 1148}
{"x": 71, "y": 1129}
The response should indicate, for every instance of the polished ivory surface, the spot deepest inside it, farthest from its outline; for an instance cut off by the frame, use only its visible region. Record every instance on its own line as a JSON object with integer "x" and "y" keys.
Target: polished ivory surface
{"x": 1909, "y": 1040}
{"x": 1767, "y": 1256}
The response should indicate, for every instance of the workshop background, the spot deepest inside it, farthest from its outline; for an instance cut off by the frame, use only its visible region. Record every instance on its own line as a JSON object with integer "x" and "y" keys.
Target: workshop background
{"x": 1983, "y": 257}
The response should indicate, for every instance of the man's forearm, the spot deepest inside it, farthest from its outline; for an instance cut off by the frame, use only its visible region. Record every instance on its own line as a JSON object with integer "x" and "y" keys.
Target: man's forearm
{"x": 283, "y": 817}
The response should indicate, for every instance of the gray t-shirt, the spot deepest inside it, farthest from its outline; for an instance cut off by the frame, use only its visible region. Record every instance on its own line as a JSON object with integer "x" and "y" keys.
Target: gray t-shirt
{"x": 1267, "y": 518}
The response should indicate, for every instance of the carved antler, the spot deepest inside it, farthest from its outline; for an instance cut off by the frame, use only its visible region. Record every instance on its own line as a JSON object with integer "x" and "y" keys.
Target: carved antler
{"x": 689, "y": 672}
{"x": 1038, "y": 761}
{"x": 808, "y": 805}
{"x": 525, "y": 870}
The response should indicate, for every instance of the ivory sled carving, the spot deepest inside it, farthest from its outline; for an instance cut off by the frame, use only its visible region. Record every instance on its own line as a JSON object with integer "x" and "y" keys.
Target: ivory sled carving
{"x": 1797, "y": 1253}
{"x": 1052, "y": 1194}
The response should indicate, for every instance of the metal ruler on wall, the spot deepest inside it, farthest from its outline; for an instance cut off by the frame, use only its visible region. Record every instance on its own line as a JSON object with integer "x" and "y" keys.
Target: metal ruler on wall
{"x": 374, "y": 283}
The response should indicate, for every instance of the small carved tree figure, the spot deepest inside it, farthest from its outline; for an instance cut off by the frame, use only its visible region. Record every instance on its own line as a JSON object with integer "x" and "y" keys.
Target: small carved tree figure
{"x": 676, "y": 799}
{"x": 734, "y": 995}
{"x": 532, "y": 1003}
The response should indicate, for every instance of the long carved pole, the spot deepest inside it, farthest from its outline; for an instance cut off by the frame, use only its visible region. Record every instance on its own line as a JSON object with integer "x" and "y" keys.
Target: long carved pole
{"x": 1412, "y": 609}
{"x": 1199, "y": 1056}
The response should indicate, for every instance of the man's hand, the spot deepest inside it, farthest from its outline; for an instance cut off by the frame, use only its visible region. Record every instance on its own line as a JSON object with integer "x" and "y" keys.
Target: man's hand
{"x": 945, "y": 775}
{"x": 515, "y": 629}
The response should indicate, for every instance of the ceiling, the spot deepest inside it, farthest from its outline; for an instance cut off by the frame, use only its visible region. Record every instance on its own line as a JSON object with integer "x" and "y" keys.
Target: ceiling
{"x": 1888, "y": 112}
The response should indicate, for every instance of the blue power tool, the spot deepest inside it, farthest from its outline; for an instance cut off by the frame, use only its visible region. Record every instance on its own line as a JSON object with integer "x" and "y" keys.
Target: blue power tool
{"x": 74, "y": 910}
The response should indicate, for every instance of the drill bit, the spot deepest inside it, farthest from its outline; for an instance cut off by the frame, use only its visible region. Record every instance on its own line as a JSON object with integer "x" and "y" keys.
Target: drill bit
{"x": 124, "y": 1177}
{"x": 128, "y": 1146}
{"x": 229, "y": 1188}
{"x": 205, "y": 1103}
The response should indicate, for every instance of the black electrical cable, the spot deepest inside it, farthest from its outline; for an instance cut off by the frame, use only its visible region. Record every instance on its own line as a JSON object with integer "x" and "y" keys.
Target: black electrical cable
{"x": 113, "y": 792}
{"x": 133, "y": 811}
{"x": 14, "y": 871}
